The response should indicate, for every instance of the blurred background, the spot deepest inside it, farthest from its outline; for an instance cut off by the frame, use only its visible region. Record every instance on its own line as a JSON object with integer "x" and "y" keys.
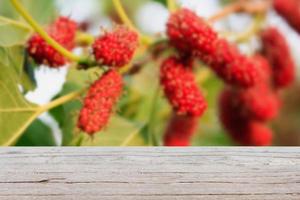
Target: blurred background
{"x": 150, "y": 16}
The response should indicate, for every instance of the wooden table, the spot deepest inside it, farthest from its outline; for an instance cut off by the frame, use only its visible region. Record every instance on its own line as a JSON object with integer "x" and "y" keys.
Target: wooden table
{"x": 150, "y": 173}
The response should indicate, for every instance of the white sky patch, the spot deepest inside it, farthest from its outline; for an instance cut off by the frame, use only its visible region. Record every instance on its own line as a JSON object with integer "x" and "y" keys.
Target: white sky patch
{"x": 152, "y": 18}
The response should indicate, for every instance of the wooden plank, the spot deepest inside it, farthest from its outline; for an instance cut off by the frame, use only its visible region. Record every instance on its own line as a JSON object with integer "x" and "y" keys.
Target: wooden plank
{"x": 150, "y": 173}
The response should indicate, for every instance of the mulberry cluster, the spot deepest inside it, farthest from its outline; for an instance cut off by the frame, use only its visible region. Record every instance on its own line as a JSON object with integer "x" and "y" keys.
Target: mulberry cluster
{"x": 63, "y": 31}
{"x": 289, "y": 10}
{"x": 276, "y": 49}
{"x": 191, "y": 35}
{"x": 99, "y": 102}
{"x": 181, "y": 89}
{"x": 180, "y": 130}
{"x": 242, "y": 128}
{"x": 245, "y": 112}
{"x": 116, "y": 48}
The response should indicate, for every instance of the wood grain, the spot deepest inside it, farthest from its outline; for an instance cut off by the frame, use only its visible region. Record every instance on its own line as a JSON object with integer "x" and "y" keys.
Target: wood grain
{"x": 150, "y": 173}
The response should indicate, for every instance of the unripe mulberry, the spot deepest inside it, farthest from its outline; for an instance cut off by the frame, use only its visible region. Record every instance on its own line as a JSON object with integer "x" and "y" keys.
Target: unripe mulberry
{"x": 180, "y": 130}
{"x": 242, "y": 129}
{"x": 116, "y": 48}
{"x": 99, "y": 102}
{"x": 231, "y": 66}
{"x": 63, "y": 31}
{"x": 276, "y": 49}
{"x": 181, "y": 88}
{"x": 189, "y": 32}
{"x": 289, "y": 10}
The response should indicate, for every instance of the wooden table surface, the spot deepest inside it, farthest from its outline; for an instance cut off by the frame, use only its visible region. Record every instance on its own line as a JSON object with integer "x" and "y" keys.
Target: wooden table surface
{"x": 150, "y": 173}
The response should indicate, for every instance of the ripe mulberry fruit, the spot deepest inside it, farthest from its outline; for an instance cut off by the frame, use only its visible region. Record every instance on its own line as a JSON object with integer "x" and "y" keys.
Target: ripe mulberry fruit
{"x": 63, "y": 31}
{"x": 259, "y": 103}
{"x": 180, "y": 130}
{"x": 181, "y": 88}
{"x": 188, "y": 32}
{"x": 276, "y": 50}
{"x": 242, "y": 129}
{"x": 289, "y": 10}
{"x": 99, "y": 102}
{"x": 116, "y": 48}
{"x": 231, "y": 66}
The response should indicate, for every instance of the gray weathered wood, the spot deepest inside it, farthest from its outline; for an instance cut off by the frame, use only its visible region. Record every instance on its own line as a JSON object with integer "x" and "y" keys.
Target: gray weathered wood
{"x": 150, "y": 173}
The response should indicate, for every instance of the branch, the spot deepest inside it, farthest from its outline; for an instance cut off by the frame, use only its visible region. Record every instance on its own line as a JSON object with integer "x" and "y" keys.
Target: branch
{"x": 247, "y": 6}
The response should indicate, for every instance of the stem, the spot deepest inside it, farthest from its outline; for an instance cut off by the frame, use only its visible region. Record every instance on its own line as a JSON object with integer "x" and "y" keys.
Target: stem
{"x": 61, "y": 101}
{"x": 122, "y": 14}
{"x": 84, "y": 39}
{"x": 251, "y": 7}
{"x": 16, "y": 23}
{"x": 18, "y": 110}
{"x": 150, "y": 134}
{"x": 125, "y": 19}
{"x": 225, "y": 12}
{"x": 171, "y": 5}
{"x": 43, "y": 33}
{"x": 252, "y": 30}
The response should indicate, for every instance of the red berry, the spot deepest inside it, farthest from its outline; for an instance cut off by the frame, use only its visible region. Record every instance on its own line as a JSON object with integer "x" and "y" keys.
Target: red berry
{"x": 63, "y": 31}
{"x": 276, "y": 49}
{"x": 181, "y": 88}
{"x": 231, "y": 66}
{"x": 289, "y": 10}
{"x": 264, "y": 69}
{"x": 180, "y": 130}
{"x": 259, "y": 103}
{"x": 242, "y": 128}
{"x": 188, "y": 32}
{"x": 99, "y": 102}
{"x": 258, "y": 135}
{"x": 116, "y": 48}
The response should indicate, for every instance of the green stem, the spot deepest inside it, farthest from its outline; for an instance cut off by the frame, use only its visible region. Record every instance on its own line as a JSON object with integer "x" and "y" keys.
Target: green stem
{"x": 151, "y": 121}
{"x": 61, "y": 101}
{"x": 252, "y": 30}
{"x": 21, "y": 10}
{"x": 125, "y": 19}
{"x": 84, "y": 39}
{"x": 122, "y": 14}
{"x": 16, "y": 23}
{"x": 171, "y": 5}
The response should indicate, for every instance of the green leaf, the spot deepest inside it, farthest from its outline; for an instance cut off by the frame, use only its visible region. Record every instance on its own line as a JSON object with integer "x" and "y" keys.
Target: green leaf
{"x": 37, "y": 134}
{"x": 14, "y": 56}
{"x": 16, "y": 113}
{"x": 42, "y": 11}
{"x": 164, "y": 2}
{"x": 12, "y": 33}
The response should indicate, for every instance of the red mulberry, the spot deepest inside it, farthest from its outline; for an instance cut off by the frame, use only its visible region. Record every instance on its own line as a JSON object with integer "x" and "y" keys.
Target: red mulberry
{"x": 241, "y": 128}
{"x": 63, "y": 30}
{"x": 289, "y": 10}
{"x": 276, "y": 49}
{"x": 180, "y": 88}
{"x": 99, "y": 102}
{"x": 231, "y": 66}
{"x": 188, "y": 32}
{"x": 116, "y": 48}
{"x": 258, "y": 103}
{"x": 180, "y": 130}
